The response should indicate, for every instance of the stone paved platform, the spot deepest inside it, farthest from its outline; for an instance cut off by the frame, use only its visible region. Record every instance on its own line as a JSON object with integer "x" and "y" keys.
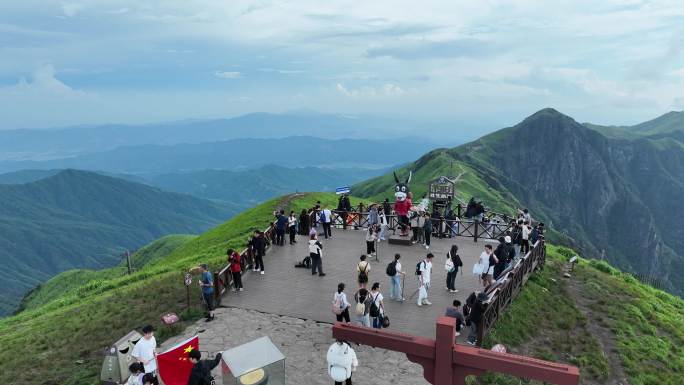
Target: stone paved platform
{"x": 294, "y": 292}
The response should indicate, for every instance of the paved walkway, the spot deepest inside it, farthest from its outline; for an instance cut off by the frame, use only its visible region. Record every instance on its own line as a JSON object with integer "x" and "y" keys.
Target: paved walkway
{"x": 294, "y": 292}
{"x": 292, "y": 307}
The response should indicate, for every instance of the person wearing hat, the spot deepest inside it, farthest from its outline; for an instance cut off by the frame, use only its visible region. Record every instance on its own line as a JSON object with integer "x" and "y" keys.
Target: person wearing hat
{"x": 206, "y": 282}
{"x": 201, "y": 369}
{"x": 144, "y": 350}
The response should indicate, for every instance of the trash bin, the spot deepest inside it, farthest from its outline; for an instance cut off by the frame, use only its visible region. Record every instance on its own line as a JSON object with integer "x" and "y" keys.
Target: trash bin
{"x": 255, "y": 363}
{"x": 118, "y": 358}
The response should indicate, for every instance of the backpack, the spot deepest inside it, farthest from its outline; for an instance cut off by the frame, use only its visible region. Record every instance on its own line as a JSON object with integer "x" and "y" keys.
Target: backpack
{"x": 374, "y": 309}
{"x": 418, "y": 268}
{"x": 361, "y": 307}
{"x": 392, "y": 269}
{"x": 337, "y": 306}
{"x": 338, "y": 363}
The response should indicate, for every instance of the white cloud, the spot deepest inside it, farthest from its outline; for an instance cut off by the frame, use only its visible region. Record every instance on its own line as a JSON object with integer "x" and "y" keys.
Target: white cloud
{"x": 227, "y": 74}
{"x": 388, "y": 89}
{"x": 72, "y": 9}
{"x": 43, "y": 83}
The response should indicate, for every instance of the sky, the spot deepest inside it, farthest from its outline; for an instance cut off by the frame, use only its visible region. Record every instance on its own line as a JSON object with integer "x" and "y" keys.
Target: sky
{"x": 478, "y": 63}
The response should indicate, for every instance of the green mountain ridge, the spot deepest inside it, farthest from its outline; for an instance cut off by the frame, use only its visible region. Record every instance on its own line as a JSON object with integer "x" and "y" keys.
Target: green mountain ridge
{"x": 609, "y": 197}
{"x": 81, "y": 219}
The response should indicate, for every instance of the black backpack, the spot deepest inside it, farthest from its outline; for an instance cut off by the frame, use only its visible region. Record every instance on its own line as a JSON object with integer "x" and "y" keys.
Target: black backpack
{"x": 374, "y": 309}
{"x": 392, "y": 269}
{"x": 418, "y": 268}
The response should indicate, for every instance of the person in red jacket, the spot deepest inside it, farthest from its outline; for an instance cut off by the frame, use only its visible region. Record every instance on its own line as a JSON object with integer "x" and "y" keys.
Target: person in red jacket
{"x": 235, "y": 261}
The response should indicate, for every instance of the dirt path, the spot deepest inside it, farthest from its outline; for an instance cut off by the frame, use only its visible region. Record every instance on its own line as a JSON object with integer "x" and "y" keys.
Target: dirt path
{"x": 602, "y": 333}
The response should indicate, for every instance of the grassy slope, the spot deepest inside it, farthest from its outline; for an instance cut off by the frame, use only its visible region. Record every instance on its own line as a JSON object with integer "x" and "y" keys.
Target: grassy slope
{"x": 92, "y": 315}
{"x": 646, "y": 325}
{"x": 70, "y": 281}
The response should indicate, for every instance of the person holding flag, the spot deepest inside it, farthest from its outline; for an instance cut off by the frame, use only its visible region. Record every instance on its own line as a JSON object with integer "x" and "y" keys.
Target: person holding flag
{"x": 201, "y": 369}
{"x": 175, "y": 364}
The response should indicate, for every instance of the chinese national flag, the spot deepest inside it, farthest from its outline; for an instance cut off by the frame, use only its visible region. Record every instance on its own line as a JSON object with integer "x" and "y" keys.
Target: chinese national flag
{"x": 174, "y": 364}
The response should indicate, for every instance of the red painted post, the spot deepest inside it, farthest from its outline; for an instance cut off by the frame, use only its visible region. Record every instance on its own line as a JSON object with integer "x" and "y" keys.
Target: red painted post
{"x": 444, "y": 346}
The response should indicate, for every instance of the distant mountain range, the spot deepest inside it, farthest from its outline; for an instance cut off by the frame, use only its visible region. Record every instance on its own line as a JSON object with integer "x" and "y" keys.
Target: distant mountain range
{"x": 240, "y": 189}
{"x": 43, "y": 144}
{"x": 82, "y": 219}
{"x": 298, "y": 151}
{"x": 615, "y": 193}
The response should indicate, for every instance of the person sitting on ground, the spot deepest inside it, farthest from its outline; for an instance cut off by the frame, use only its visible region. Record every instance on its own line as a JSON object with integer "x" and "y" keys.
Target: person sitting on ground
{"x": 342, "y": 362}
{"x": 456, "y": 312}
{"x": 201, "y": 369}
{"x": 137, "y": 372}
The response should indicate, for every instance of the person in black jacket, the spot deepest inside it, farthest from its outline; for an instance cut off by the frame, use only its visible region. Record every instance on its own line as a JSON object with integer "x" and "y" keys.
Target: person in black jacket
{"x": 474, "y": 317}
{"x": 501, "y": 254}
{"x": 201, "y": 370}
{"x": 259, "y": 245}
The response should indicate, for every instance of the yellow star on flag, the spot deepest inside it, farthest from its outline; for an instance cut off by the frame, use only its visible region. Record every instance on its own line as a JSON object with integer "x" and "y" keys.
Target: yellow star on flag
{"x": 188, "y": 349}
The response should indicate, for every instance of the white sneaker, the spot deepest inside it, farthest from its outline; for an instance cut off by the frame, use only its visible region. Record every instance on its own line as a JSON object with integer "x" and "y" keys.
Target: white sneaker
{"x": 427, "y": 302}
{"x": 263, "y": 272}
{"x": 420, "y": 304}
{"x": 454, "y": 291}
{"x": 427, "y": 247}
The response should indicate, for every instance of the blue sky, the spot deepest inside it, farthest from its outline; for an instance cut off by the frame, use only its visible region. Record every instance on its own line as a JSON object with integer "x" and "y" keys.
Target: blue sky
{"x": 471, "y": 63}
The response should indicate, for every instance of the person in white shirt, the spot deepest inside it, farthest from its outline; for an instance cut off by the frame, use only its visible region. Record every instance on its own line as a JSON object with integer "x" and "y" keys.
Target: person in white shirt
{"x": 341, "y": 300}
{"x": 377, "y": 298}
{"x": 525, "y": 243}
{"x": 383, "y": 224}
{"x": 144, "y": 350}
{"x": 396, "y": 292}
{"x": 342, "y": 362}
{"x": 137, "y": 372}
{"x": 425, "y": 268}
{"x": 316, "y": 255}
{"x": 326, "y": 220}
{"x": 292, "y": 227}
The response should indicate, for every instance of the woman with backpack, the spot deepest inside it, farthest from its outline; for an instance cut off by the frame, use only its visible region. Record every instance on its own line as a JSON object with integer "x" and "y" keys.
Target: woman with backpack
{"x": 341, "y": 305}
{"x": 363, "y": 307}
{"x": 453, "y": 262}
{"x": 377, "y": 309}
{"x": 395, "y": 274}
{"x": 363, "y": 269}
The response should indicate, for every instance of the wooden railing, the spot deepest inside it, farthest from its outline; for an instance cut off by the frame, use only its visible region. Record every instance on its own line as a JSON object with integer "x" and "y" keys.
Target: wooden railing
{"x": 224, "y": 278}
{"x": 509, "y": 285}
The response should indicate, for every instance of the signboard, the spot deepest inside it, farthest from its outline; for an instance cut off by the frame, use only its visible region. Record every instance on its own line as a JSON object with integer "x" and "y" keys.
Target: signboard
{"x": 342, "y": 190}
{"x": 441, "y": 189}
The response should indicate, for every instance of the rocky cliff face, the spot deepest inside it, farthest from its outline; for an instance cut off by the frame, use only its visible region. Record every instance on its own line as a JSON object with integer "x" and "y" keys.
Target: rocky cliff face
{"x": 615, "y": 197}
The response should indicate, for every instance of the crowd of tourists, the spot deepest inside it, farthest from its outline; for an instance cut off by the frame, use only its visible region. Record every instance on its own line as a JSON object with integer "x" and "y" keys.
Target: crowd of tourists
{"x": 365, "y": 306}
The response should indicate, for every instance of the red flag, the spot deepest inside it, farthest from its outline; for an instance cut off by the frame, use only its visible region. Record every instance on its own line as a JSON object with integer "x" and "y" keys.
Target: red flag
{"x": 174, "y": 364}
